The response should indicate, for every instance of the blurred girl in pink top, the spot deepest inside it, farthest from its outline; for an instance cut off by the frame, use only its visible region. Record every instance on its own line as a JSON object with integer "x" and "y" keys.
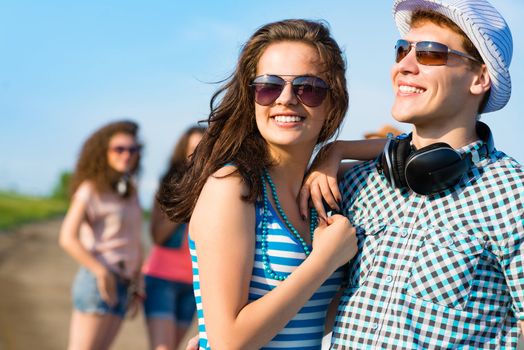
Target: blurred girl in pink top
{"x": 102, "y": 232}
{"x": 170, "y": 304}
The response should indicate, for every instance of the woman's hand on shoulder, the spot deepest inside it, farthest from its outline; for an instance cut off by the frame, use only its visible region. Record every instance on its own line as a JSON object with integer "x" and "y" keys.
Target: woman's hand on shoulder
{"x": 321, "y": 182}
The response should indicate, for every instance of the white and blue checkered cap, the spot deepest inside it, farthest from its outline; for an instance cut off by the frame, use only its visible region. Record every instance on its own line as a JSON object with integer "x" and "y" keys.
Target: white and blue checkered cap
{"x": 484, "y": 26}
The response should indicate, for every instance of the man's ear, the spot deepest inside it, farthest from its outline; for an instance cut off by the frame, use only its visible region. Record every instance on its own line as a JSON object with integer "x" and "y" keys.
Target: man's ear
{"x": 481, "y": 82}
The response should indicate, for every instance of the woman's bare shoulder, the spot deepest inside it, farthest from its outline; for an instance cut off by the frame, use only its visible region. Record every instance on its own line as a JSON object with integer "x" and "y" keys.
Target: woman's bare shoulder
{"x": 225, "y": 171}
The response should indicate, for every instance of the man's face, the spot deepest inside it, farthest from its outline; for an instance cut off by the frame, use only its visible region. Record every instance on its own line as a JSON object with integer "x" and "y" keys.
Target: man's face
{"x": 432, "y": 96}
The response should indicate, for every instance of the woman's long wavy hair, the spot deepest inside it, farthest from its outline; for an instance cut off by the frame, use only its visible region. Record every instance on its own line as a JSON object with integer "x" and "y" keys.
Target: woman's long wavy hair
{"x": 178, "y": 162}
{"x": 93, "y": 164}
{"x": 232, "y": 136}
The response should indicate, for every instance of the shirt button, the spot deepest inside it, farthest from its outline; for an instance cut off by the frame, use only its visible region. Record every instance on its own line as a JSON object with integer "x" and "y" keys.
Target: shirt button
{"x": 374, "y": 326}
{"x": 448, "y": 243}
{"x": 389, "y": 279}
{"x": 404, "y": 233}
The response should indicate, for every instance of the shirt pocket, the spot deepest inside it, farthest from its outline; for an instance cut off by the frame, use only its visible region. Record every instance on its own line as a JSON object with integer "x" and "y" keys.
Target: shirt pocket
{"x": 369, "y": 236}
{"x": 445, "y": 268}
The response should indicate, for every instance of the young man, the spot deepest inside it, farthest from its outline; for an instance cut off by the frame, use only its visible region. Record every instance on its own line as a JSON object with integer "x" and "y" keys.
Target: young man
{"x": 440, "y": 214}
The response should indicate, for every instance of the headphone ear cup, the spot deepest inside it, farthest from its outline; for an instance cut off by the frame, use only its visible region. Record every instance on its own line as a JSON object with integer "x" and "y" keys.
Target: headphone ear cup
{"x": 393, "y": 160}
{"x": 399, "y": 155}
{"x": 385, "y": 160}
{"x": 435, "y": 168}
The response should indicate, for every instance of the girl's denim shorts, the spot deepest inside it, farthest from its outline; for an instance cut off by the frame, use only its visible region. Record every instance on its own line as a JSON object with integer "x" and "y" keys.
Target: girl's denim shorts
{"x": 169, "y": 300}
{"x": 87, "y": 299}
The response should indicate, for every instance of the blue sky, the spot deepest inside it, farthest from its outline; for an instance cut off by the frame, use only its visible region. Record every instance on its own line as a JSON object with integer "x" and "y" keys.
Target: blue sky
{"x": 67, "y": 68}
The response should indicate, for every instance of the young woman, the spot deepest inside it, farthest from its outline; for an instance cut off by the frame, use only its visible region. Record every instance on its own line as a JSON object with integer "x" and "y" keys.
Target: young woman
{"x": 263, "y": 275}
{"x": 170, "y": 304}
{"x": 102, "y": 232}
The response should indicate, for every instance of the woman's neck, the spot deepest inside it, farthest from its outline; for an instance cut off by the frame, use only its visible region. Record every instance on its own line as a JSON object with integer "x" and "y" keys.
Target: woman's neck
{"x": 288, "y": 176}
{"x": 290, "y": 164}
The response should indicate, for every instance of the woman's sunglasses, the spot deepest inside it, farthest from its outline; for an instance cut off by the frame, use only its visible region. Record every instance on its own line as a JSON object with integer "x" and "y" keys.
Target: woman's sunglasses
{"x": 308, "y": 89}
{"x": 121, "y": 149}
{"x": 428, "y": 53}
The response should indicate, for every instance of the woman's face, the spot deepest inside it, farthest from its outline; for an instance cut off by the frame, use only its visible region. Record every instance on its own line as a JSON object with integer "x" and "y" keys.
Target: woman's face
{"x": 287, "y": 122}
{"x": 122, "y": 152}
{"x": 192, "y": 142}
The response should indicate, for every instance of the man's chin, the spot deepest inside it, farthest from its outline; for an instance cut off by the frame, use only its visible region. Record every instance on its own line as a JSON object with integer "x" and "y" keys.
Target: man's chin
{"x": 402, "y": 116}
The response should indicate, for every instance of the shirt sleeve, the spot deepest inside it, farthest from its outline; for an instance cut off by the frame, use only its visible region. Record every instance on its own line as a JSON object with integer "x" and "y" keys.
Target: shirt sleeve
{"x": 84, "y": 192}
{"x": 512, "y": 261}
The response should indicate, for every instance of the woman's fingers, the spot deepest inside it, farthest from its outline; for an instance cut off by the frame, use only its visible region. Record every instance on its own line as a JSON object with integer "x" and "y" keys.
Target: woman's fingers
{"x": 303, "y": 200}
{"x": 107, "y": 288}
{"x": 327, "y": 191}
{"x": 321, "y": 190}
{"x": 192, "y": 343}
{"x": 335, "y": 191}
{"x": 318, "y": 203}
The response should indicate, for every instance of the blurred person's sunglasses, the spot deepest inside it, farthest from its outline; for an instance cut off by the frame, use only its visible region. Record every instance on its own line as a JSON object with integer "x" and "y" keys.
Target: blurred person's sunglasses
{"x": 121, "y": 149}
{"x": 308, "y": 89}
{"x": 428, "y": 53}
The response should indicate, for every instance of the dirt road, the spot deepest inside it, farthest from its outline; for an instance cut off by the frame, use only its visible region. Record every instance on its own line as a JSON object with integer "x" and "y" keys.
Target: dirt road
{"x": 35, "y": 282}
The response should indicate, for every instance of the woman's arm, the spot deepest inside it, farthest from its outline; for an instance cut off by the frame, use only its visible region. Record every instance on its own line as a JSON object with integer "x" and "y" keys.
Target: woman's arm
{"x": 359, "y": 149}
{"x": 161, "y": 226}
{"x": 322, "y": 181}
{"x": 70, "y": 242}
{"x": 332, "y": 312}
{"x": 222, "y": 226}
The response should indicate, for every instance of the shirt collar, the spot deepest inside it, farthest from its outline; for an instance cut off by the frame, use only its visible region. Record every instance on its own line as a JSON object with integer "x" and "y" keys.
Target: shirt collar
{"x": 477, "y": 150}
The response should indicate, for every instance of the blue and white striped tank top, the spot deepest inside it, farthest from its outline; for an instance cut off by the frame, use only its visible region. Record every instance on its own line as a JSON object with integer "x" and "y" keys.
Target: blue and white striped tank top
{"x": 285, "y": 252}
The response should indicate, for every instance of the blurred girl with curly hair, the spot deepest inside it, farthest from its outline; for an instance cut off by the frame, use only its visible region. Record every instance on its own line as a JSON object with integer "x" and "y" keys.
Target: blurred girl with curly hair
{"x": 102, "y": 232}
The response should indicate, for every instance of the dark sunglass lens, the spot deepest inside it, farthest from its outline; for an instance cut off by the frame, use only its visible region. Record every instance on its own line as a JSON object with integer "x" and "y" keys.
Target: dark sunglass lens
{"x": 122, "y": 149}
{"x": 311, "y": 91}
{"x": 401, "y": 50}
{"x": 431, "y": 53}
{"x": 134, "y": 149}
{"x": 267, "y": 88}
{"x": 266, "y": 94}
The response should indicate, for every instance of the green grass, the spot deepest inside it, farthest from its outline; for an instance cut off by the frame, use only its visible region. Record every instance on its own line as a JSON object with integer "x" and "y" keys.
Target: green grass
{"x": 17, "y": 209}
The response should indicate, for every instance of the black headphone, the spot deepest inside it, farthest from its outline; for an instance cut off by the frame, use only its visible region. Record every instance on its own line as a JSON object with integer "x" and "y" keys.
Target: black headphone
{"x": 430, "y": 169}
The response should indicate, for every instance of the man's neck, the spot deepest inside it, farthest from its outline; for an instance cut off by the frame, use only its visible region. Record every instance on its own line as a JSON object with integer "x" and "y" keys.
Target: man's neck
{"x": 456, "y": 136}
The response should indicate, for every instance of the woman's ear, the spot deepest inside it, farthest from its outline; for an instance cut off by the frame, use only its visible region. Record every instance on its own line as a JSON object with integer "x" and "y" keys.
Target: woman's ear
{"x": 481, "y": 82}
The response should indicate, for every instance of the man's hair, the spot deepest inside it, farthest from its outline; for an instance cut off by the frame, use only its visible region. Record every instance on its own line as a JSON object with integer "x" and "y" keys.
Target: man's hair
{"x": 419, "y": 17}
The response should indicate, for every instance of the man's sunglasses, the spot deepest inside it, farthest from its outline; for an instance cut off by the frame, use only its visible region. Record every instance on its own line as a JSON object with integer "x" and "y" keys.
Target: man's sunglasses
{"x": 121, "y": 149}
{"x": 308, "y": 89}
{"x": 428, "y": 53}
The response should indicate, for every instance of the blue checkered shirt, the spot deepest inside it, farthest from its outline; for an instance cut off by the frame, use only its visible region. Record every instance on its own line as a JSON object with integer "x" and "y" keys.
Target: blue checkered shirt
{"x": 435, "y": 272}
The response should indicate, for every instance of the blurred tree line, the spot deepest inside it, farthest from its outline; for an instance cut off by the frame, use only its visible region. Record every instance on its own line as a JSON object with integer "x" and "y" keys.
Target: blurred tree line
{"x": 61, "y": 189}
